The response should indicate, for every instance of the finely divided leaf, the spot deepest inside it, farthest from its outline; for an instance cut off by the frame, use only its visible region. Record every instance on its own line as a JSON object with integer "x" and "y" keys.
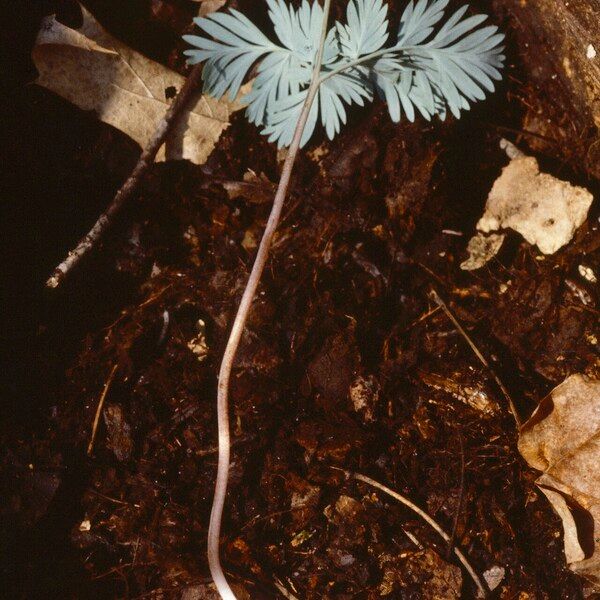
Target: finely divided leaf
{"x": 284, "y": 118}
{"x": 237, "y": 45}
{"x": 433, "y": 66}
{"x": 418, "y": 21}
{"x": 367, "y": 28}
{"x": 460, "y": 61}
{"x": 347, "y": 88}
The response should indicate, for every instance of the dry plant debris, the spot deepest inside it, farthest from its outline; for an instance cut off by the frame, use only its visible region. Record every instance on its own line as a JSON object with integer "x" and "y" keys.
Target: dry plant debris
{"x": 545, "y": 210}
{"x": 95, "y": 71}
{"x": 562, "y": 439}
{"x": 209, "y": 6}
{"x": 482, "y": 248}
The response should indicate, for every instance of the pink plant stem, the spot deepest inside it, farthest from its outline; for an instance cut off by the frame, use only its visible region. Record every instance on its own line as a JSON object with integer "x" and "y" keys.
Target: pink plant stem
{"x": 216, "y": 515}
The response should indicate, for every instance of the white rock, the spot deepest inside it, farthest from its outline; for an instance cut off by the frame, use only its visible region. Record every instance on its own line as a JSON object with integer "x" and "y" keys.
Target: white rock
{"x": 591, "y": 52}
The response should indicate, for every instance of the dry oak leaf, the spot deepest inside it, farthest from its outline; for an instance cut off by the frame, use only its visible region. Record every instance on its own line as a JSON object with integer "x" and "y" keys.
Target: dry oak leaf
{"x": 562, "y": 439}
{"x": 545, "y": 210}
{"x": 95, "y": 71}
{"x": 209, "y": 6}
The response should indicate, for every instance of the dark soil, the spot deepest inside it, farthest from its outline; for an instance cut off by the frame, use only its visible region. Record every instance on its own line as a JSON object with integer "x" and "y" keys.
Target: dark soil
{"x": 347, "y": 363}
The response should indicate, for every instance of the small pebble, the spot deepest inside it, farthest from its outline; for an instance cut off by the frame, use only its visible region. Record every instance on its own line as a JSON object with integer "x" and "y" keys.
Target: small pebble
{"x": 587, "y": 273}
{"x": 85, "y": 525}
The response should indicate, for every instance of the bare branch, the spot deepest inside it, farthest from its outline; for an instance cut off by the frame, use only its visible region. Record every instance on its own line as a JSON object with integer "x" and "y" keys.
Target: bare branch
{"x": 127, "y": 190}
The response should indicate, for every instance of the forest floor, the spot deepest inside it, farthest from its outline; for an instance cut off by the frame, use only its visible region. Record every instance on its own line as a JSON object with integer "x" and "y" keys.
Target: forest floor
{"x": 347, "y": 363}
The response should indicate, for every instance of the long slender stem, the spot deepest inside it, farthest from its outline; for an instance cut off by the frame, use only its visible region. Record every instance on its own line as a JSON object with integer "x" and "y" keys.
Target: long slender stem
{"x": 216, "y": 515}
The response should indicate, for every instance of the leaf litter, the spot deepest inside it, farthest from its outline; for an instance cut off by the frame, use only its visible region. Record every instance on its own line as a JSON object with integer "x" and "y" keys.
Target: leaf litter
{"x": 543, "y": 209}
{"x": 95, "y": 71}
{"x": 346, "y": 303}
{"x": 562, "y": 439}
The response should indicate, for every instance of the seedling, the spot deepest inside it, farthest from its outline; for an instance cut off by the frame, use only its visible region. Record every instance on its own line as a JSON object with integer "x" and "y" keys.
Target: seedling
{"x": 432, "y": 66}
{"x": 421, "y": 70}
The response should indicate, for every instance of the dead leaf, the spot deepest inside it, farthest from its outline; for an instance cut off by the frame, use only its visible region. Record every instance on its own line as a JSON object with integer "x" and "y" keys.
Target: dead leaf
{"x": 364, "y": 397}
{"x": 543, "y": 209}
{"x": 257, "y": 189}
{"x": 209, "y": 6}
{"x": 208, "y": 591}
{"x": 198, "y": 345}
{"x": 95, "y": 71}
{"x": 494, "y": 576}
{"x": 562, "y": 439}
{"x": 437, "y": 579}
{"x": 119, "y": 432}
{"x": 481, "y": 249}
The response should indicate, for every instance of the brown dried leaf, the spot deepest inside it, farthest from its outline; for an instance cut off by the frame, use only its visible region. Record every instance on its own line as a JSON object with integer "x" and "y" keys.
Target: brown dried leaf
{"x": 435, "y": 578}
{"x": 119, "y": 432}
{"x": 209, "y": 6}
{"x": 95, "y": 71}
{"x": 562, "y": 439}
{"x": 543, "y": 209}
{"x": 257, "y": 189}
{"x": 482, "y": 248}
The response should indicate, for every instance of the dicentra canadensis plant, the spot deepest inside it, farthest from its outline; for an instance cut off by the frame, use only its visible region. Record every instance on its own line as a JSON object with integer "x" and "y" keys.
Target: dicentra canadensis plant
{"x": 427, "y": 68}
{"x": 433, "y": 65}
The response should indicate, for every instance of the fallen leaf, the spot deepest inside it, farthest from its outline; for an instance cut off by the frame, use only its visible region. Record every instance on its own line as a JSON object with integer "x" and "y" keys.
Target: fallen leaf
{"x": 209, "y": 6}
{"x": 436, "y": 579}
{"x": 95, "y": 71}
{"x": 119, "y": 432}
{"x": 543, "y": 209}
{"x": 257, "y": 189}
{"x": 472, "y": 395}
{"x": 494, "y": 576}
{"x": 208, "y": 591}
{"x": 562, "y": 439}
{"x": 587, "y": 273}
{"x": 364, "y": 396}
{"x": 481, "y": 249}
{"x": 198, "y": 345}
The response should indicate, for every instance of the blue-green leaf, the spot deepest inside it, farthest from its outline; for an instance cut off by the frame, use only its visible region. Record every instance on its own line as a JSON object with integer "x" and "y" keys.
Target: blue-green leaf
{"x": 436, "y": 64}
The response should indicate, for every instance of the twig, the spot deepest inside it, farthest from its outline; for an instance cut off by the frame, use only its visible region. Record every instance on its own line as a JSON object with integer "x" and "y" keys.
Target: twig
{"x": 422, "y": 318}
{"x": 461, "y": 557}
{"x": 99, "y": 408}
{"x": 132, "y": 183}
{"x": 109, "y": 499}
{"x": 216, "y": 514}
{"x": 460, "y": 495}
{"x": 478, "y": 354}
{"x": 283, "y": 591}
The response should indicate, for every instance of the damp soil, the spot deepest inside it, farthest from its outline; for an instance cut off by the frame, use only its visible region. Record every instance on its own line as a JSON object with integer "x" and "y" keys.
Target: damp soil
{"x": 347, "y": 363}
